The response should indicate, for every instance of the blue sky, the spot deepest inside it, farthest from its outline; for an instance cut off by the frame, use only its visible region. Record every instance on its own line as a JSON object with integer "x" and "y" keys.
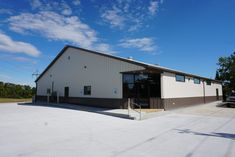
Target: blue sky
{"x": 186, "y": 35}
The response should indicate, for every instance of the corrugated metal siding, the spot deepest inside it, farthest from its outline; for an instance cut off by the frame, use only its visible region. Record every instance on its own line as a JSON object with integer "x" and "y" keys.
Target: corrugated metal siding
{"x": 102, "y": 73}
{"x": 173, "y": 89}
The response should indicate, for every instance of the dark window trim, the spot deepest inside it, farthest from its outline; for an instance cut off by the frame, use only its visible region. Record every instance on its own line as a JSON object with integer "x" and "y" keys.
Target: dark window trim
{"x": 66, "y": 92}
{"x": 86, "y": 92}
{"x": 48, "y": 91}
{"x": 132, "y": 75}
{"x": 132, "y": 92}
{"x": 179, "y": 80}
{"x": 196, "y": 79}
{"x": 208, "y": 82}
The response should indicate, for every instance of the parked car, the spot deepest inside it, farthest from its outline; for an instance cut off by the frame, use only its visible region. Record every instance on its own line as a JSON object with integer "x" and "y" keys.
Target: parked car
{"x": 231, "y": 100}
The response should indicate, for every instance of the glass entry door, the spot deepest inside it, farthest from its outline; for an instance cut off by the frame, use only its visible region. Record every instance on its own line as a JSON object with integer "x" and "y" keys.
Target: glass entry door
{"x": 142, "y": 95}
{"x": 140, "y": 87}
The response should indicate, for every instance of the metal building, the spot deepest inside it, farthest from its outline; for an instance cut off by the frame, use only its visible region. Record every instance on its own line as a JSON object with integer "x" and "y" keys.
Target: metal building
{"x": 87, "y": 77}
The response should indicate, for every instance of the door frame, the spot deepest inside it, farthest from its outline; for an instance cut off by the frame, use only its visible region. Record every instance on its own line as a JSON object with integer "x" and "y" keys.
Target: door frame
{"x": 217, "y": 94}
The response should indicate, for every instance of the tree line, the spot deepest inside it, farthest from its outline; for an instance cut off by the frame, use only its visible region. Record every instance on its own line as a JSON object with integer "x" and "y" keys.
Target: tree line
{"x": 226, "y": 73}
{"x": 10, "y": 90}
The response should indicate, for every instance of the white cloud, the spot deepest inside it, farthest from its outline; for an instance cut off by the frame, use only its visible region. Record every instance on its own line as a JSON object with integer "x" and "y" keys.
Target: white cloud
{"x": 5, "y": 11}
{"x": 104, "y": 48}
{"x": 59, "y": 6}
{"x": 24, "y": 59}
{"x": 9, "y": 45}
{"x": 113, "y": 17}
{"x": 14, "y": 57}
{"x": 35, "y": 3}
{"x": 76, "y": 2}
{"x": 143, "y": 44}
{"x": 66, "y": 10}
{"x": 128, "y": 14}
{"x": 153, "y": 7}
{"x": 54, "y": 26}
{"x": 58, "y": 27}
{"x": 5, "y": 77}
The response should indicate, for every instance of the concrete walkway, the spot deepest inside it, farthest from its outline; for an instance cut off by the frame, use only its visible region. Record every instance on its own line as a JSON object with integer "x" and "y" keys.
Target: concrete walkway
{"x": 36, "y": 131}
{"x": 121, "y": 113}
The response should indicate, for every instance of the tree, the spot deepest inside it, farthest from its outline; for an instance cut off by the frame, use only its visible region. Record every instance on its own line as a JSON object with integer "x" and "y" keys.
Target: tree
{"x": 10, "y": 90}
{"x": 217, "y": 77}
{"x": 226, "y": 73}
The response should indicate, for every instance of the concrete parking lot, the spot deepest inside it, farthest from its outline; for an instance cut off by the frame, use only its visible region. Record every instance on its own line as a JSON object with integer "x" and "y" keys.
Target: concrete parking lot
{"x": 40, "y": 131}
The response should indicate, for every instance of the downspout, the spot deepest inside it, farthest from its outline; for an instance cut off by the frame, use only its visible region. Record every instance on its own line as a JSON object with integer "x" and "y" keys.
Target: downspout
{"x": 36, "y": 92}
{"x": 204, "y": 93}
{"x": 52, "y": 87}
{"x": 163, "y": 104}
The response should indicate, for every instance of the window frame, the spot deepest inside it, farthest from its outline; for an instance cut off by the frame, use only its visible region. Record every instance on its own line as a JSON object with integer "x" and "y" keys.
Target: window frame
{"x": 208, "y": 82}
{"x": 85, "y": 92}
{"x": 149, "y": 80}
{"x": 199, "y": 80}
{"x": 48, "y": 91}
{"x": 66, "y": 92}
{"x": 140, "y": 77}
{"x": 130, "y": 81}
{"x": 180, "y": 79}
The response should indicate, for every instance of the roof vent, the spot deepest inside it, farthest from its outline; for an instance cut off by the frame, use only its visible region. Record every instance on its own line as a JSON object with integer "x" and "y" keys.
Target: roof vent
{"x": 130, "y": 58}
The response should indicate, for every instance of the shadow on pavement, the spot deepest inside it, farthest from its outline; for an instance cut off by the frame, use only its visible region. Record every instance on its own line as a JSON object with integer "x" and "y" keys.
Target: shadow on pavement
{"x": 213, "y": 134}
{"x": 104, "y": 111}
{"x": 226, "y": 105}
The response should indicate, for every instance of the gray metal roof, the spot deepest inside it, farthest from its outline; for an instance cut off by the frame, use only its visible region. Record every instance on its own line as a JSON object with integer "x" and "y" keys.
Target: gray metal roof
{"x": 146, "y": 65}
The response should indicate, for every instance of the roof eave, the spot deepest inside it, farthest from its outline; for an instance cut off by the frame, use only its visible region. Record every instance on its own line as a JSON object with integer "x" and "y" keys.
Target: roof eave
{"x": 145, "y": 65}
{"x": 54, "y": 60}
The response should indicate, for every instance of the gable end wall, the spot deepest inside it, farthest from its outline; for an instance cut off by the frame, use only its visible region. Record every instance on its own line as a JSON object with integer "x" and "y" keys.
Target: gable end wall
{"x": 85, "y": 69}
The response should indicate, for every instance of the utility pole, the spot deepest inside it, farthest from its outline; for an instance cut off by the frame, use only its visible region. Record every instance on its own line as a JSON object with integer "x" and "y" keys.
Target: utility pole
{"x": 35, "y": 74}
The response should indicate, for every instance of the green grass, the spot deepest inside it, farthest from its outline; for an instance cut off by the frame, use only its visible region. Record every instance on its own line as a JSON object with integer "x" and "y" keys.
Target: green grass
{"x": 5, "y": 100}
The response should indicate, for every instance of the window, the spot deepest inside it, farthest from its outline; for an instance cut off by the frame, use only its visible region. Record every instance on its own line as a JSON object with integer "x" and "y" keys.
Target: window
{"x": 208, "y": 82}
{"x": 87, "y": 90}
{"x": 128, "y": 78}
{"x": 232, "y": 94}
{"x": 180, "y": 78}
{"x": 48, "y": 91}
{"x": 140, "y": 77}
{"x": 129, "y": 90}
{"x": 66, "y": 92}
{"x": 196, "y": 81}
{"x": 141, "y": 85}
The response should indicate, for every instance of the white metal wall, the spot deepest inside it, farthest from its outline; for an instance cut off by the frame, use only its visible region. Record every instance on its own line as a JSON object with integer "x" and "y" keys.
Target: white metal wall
{"x": 171, "y": 88}
{"x": 84, "y": 69}
{"x": 211, "y": 90}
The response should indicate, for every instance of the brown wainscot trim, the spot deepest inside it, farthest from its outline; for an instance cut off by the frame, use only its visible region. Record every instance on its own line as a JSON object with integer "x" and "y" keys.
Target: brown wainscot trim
{"x": 166, "y": 104}
{"x": 41, "y": 98}
{"x": 95, "y": 102}
{"x": 155, "y": 103}
{"x": 174, "y": 103}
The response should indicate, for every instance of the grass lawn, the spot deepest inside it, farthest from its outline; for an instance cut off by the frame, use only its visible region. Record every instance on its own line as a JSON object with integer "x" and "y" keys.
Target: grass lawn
{"x": 4, "y": 100}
